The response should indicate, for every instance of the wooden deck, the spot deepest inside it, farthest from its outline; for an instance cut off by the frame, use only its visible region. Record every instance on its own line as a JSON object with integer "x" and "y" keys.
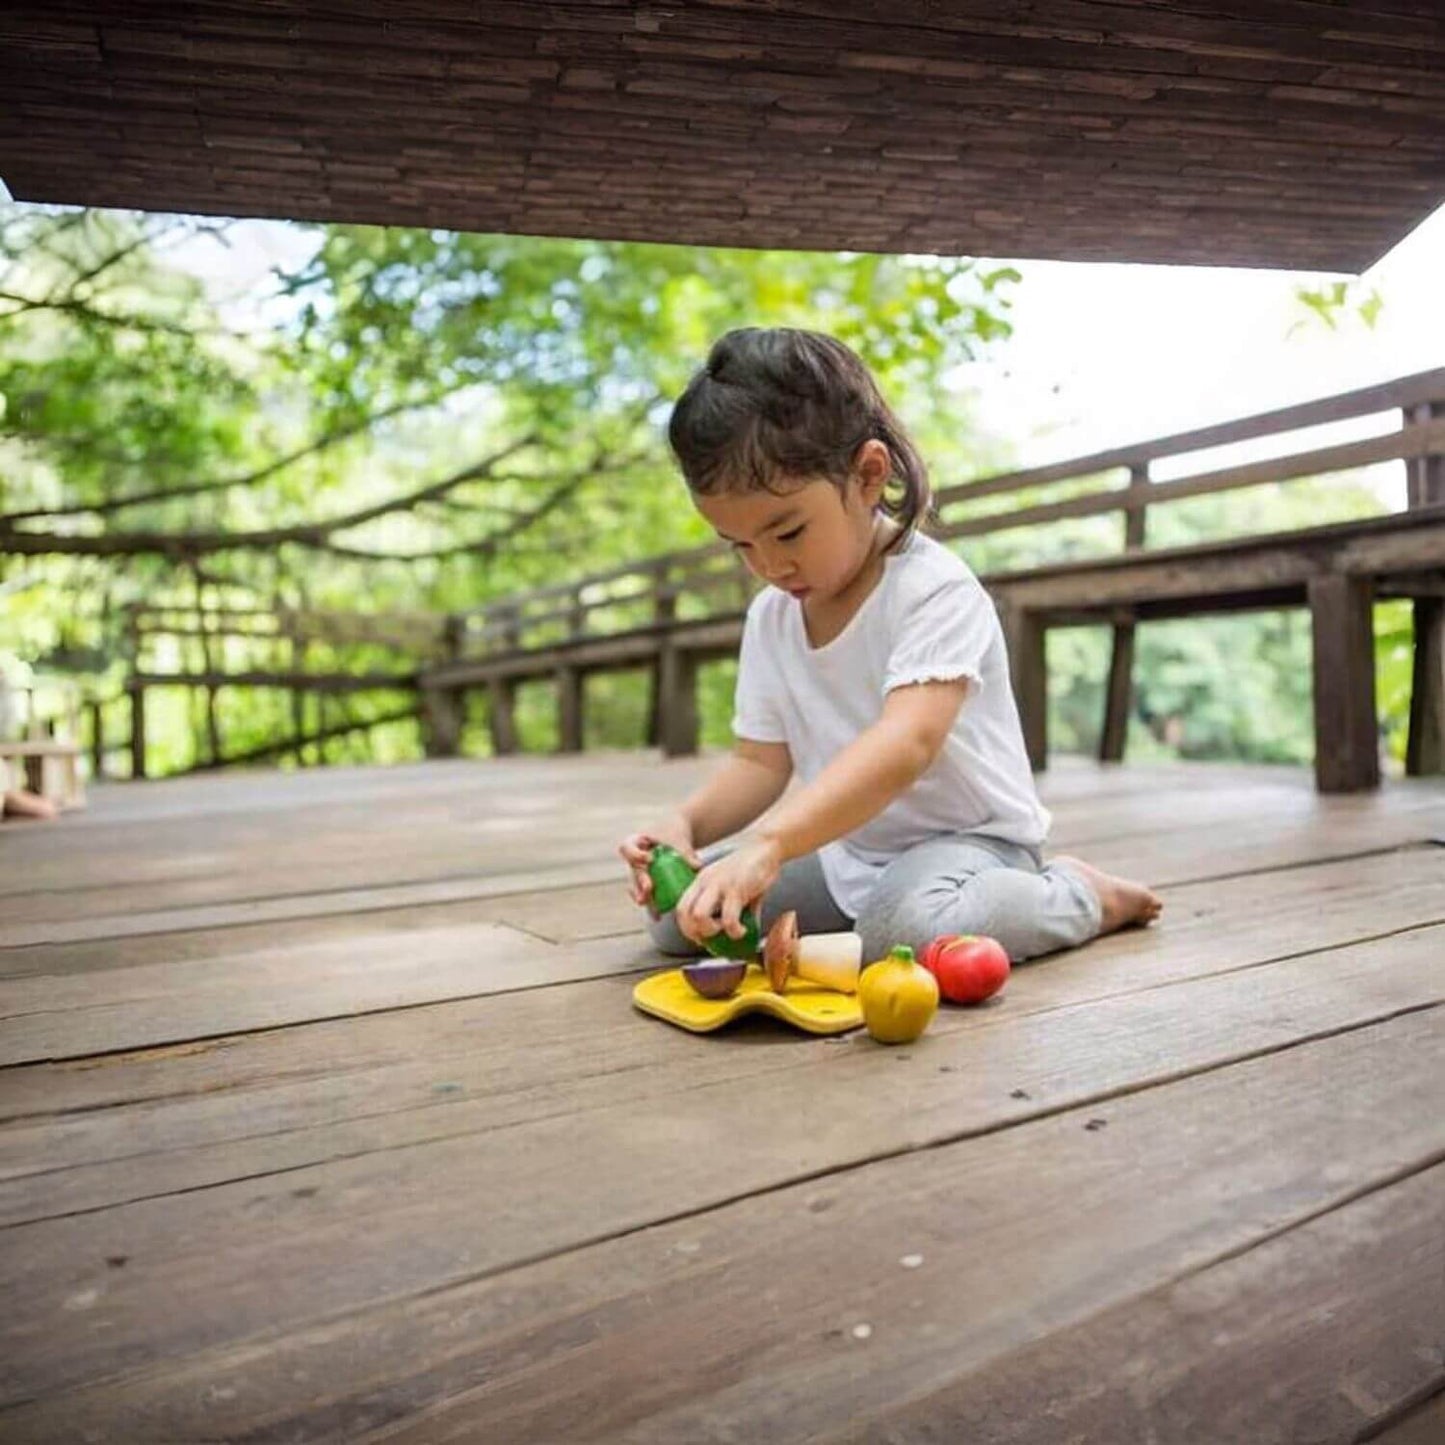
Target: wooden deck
{"x": 324, "y": 1116}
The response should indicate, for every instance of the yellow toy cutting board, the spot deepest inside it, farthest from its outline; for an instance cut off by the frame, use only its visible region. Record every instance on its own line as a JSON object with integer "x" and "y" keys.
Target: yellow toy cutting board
{"x": 815, "y": 1010}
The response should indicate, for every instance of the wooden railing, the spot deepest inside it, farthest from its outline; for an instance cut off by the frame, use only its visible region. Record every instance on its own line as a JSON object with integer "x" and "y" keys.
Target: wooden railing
{"x": 671, "y": 613}
{"x": 674, "y": 611}
{"x": 275, "y": 649}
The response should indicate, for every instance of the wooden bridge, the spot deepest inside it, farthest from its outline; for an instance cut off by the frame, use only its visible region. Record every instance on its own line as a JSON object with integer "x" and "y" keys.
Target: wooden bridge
{"x": 672, "y": 613}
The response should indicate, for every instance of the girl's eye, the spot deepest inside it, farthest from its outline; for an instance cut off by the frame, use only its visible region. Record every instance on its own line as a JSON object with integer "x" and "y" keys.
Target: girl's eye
{"x": 793, "y": 535}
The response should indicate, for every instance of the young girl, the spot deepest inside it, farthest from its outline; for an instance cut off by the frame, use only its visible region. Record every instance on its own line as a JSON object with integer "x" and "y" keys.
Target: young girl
{"x": 873, "y": 665}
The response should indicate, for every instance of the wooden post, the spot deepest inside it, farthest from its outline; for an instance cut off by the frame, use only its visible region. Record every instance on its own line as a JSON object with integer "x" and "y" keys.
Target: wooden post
{"x": 502, "y": 694}
{"x": 677, "y": 692}
{"x": 443, "y": 713}
{"x": 1024, "y": 635}
{"x": 1119, "y": 693}
{"x": 208, "y": 666}
{"x": 502, "y": 716}
{"x": 1425, "y": 476}
{"x": 1425, "y": 750}
{"x": 664, "y": 614}
{"x": 569, "y": 710}
{"x": 444, "y": 709}
{"x": 1347, "y": 750}
{"x": 97, "y": 739}
{"x": 1425, "y": 747}
{"x": 137, "y": 730}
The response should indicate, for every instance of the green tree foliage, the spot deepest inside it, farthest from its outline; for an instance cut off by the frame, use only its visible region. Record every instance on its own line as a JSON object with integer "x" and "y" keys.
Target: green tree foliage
{"x": 414, "y": 421}
{"x": 405, "y": 420}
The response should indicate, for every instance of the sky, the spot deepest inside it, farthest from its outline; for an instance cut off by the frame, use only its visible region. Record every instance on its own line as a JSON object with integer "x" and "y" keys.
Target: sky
{"x": 1107, "y": 354}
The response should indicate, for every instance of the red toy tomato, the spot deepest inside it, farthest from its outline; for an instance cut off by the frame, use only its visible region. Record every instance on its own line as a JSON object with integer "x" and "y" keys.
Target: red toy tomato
{"x": 969, "y": 967}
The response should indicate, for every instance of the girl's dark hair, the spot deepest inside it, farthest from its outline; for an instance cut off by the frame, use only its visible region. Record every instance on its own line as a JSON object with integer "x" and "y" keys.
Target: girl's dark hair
{"x": 775, "y": 405}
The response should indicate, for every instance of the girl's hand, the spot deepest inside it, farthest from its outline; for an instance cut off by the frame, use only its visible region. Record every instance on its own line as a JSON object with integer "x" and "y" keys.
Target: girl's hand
{"x": 723, "y": 889}
{"x": 636, "y": 850}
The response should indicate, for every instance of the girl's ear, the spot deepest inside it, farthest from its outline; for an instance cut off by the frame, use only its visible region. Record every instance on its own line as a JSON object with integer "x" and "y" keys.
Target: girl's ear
{"x": 872, "y": 465}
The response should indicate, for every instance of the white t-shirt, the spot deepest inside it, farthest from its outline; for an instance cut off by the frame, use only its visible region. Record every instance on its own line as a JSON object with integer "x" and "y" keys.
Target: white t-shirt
{"x": 928, "y": 619}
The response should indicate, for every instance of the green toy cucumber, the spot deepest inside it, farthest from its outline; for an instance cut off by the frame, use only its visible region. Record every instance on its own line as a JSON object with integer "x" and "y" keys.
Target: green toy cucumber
{"x": 672, "y": 876}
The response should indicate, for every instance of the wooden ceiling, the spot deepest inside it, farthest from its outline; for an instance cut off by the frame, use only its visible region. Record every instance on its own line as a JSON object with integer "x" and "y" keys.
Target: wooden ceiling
{"x": 1290, "y": 133}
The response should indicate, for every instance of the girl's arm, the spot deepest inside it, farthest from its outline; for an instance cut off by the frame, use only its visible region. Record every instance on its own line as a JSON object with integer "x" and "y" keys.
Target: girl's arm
{"x": 741, "y": 791}
{"x": 744, "y": 788}
{"x": 881, "y": 763}
{"x": 878, "y": 765}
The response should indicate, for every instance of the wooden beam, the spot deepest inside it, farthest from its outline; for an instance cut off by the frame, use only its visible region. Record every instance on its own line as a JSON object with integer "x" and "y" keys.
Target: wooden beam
{"x": 311, "y": 681}
{"x": 1380, "y": 547}
{"x": 1347, "y": 749}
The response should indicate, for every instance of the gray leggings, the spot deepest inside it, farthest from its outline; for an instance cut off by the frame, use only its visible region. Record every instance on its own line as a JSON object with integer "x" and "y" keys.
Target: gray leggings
{"x": 959, "y": 883}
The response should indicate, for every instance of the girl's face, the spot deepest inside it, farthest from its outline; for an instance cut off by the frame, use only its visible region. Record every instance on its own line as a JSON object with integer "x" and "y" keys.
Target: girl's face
{"x": 812, "y": 541}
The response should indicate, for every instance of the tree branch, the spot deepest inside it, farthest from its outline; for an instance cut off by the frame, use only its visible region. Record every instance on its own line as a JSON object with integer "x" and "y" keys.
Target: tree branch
{"x": 185, "y": 545}
{"x": 168, "y": 494}
{"x": 89, "y": 313}
{"x": 493, "y": 542}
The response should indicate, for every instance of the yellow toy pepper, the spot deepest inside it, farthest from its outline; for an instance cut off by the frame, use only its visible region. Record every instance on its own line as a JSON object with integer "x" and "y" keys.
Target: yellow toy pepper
{"x": 899, "y": 997}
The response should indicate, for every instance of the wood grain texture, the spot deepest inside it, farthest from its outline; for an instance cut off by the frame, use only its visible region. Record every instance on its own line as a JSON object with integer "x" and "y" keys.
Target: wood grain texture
{"x": 1305, "y": 136}
{"x": 1036, "y": 1228}
{"x": 319, "y": 1155}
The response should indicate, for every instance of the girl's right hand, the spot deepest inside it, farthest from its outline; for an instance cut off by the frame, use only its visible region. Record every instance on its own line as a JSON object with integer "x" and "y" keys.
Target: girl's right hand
{"x": 636, "y": 850}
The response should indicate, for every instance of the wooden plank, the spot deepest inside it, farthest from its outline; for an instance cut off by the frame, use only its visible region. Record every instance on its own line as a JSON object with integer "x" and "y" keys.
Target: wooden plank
{"x": 275, "y": 837}
{"x": 181, "y": 918}
{"x": 1226, "y": 833}
{"x": 1424, "y": 1425}
{"x": 49, "y": 1016}
{"x": 1065, "y": 1217}
{"x": 1206, "y": 930}
{"x": 60, "y": 1166}
{"x": 1322, "y": 1332}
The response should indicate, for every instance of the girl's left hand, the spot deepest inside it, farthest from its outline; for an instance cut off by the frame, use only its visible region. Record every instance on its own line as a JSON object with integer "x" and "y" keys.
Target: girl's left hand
{"x": 723, "y": 889}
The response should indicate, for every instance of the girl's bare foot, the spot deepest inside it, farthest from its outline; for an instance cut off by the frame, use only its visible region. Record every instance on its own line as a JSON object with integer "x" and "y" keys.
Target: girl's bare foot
{"x": 1123, "y": 902}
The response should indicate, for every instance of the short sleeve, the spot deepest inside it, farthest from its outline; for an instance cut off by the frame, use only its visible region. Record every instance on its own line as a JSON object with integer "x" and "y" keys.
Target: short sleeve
{"x": 942, "y": 636}
{"x": 757, "y": 699}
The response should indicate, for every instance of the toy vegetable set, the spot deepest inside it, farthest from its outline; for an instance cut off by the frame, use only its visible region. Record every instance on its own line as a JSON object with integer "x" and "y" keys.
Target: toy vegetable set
{"x": 815, "y": 982}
